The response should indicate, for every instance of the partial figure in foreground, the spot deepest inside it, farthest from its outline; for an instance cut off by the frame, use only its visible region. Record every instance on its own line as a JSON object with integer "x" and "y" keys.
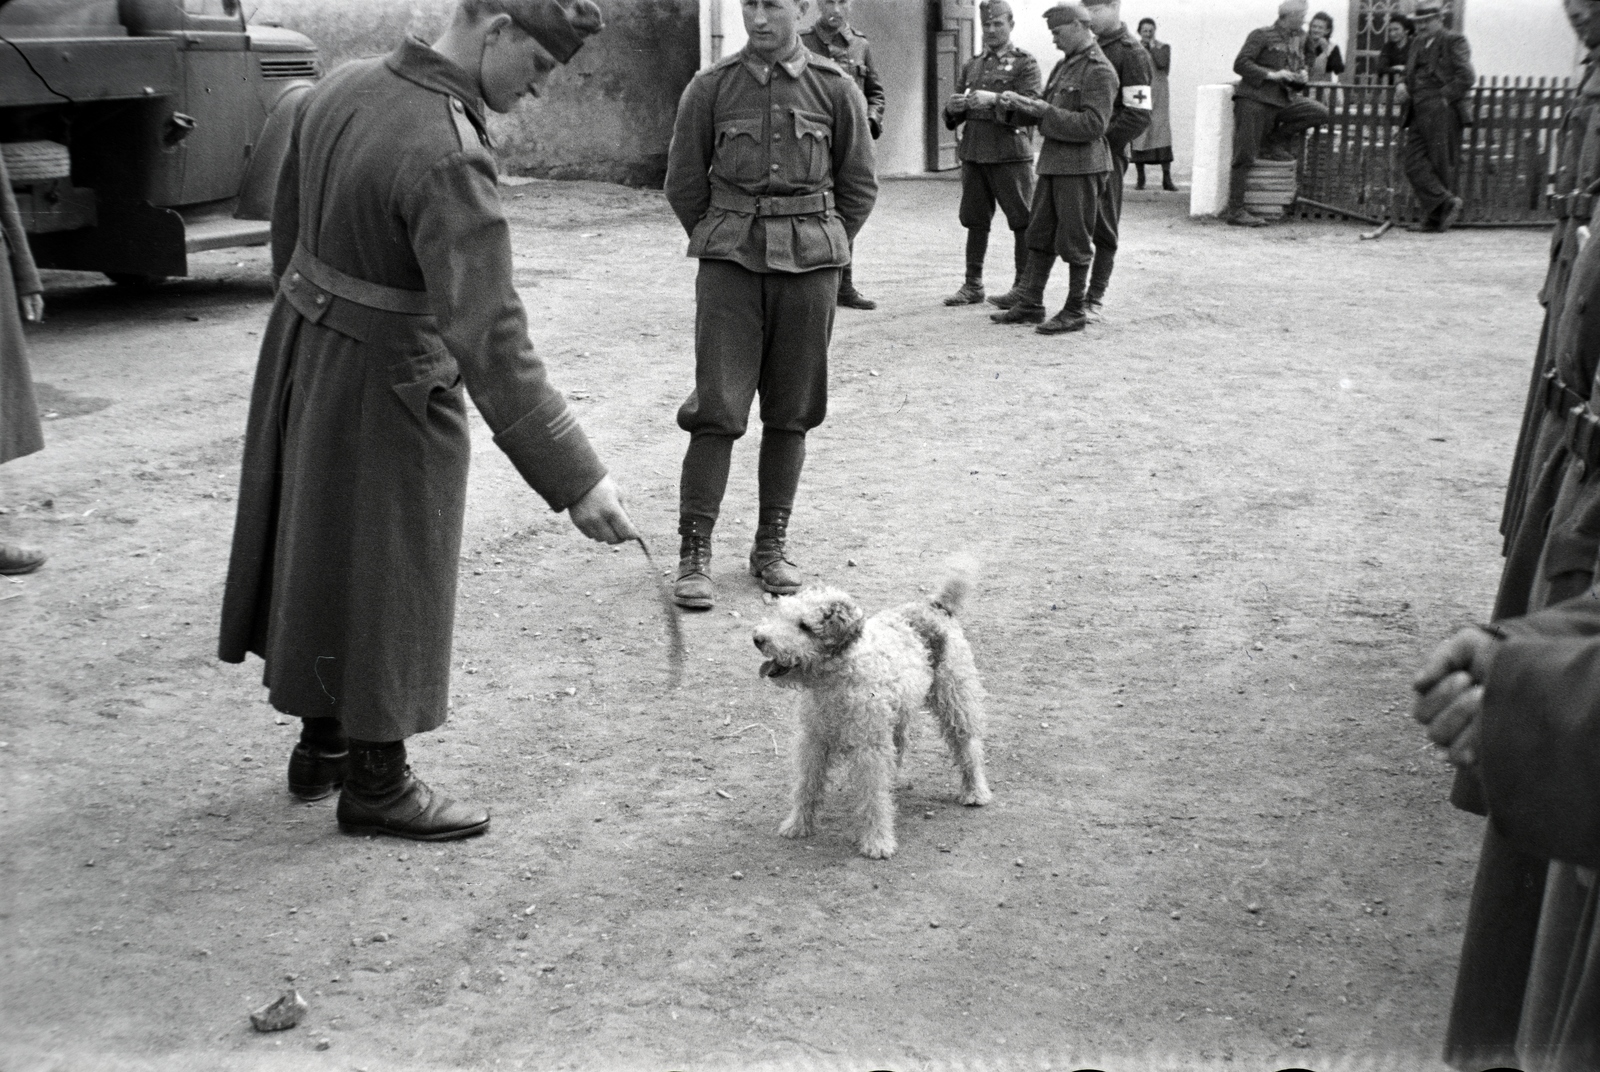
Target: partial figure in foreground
{"x": 862, "y": 681}
{"x": 996, "y": 149}
{"x": 1517, "y": 709}
{"x": 770, "y": 172}
{"x": 394, "y": 261}
{"x": 1433, "y": 98}
{"x": 1270, "y": 108}
{"x": 21, "y": 298}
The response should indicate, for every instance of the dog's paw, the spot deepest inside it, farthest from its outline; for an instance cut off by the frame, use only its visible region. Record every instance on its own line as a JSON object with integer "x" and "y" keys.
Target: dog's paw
{"x": 975, "y": 798}
{"x": 878, "y": 848}
{"x": 794, "y": 826}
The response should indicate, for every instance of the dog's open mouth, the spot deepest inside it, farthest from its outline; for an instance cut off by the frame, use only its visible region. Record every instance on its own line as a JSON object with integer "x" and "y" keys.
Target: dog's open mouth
{"x": 773, "y": 668}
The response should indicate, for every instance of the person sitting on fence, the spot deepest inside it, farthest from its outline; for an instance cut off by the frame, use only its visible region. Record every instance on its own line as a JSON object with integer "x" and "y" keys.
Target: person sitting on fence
{"x": 1397, "y": 34}
{"x": 1269, "y": 106}
{"x": 1433, "y": 98}
{"x": 1324, "y": 62}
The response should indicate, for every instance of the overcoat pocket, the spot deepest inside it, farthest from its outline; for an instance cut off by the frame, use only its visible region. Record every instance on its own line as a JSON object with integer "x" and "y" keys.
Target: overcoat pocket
{"x": 415, "y": 380}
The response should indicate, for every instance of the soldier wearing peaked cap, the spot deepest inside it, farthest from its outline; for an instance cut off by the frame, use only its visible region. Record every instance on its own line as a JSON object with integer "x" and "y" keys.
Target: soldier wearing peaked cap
{"x": 395, "y": 289}
{"x": 996, "y": 147}
{"x": 1072, "y": 114}
{"x": 770, "y": 172}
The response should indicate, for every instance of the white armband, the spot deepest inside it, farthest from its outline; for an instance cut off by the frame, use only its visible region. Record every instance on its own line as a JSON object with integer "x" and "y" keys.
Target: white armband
{"x": 1137, "y": 97}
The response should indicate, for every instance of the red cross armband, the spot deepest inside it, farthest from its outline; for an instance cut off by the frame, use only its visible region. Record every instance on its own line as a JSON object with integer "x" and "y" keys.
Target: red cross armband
{"x": 1137, "y": 97}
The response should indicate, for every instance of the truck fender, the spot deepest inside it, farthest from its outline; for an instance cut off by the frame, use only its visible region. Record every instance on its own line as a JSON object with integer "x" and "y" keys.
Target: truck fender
{"x": 260, "y": 184}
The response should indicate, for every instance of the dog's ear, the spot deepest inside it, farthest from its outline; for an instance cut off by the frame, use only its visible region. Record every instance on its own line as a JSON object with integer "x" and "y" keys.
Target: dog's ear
{"x": 840, "y": 625}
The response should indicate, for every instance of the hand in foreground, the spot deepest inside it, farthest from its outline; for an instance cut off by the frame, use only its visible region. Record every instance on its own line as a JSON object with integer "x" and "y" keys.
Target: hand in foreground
{"x": 1017, "y": 102}
{"x": 956, "y": 104}
{"x": 32, "y": 307}
{"x": 1450, "y": 692}
{"x": 600, "y": 515}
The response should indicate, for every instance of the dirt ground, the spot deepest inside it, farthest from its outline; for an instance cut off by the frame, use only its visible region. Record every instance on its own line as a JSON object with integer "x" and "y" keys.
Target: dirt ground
{"x": 1218, "y": 532}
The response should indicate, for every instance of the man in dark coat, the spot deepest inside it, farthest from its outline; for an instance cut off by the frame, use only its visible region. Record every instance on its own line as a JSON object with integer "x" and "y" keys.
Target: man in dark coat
{"x": 21, "y": 298}
{"x": 1550, "y": 521}
{"x": 1434, "y": 108}
{"x": 395, "y": 288}
{"x": 770, "y": 173}
{"x": 996, "y": 153}
{"x": 1517, "y": 706}
{"x": 1269, "y": 106}
{"x": 1130, "y": 117}
{"x": 1072, "y": 115}
{"x": 833, "y": 36}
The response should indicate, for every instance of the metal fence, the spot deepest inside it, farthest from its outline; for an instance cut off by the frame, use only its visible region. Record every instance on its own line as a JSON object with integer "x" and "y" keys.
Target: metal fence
{"x": 1355, "y": 164}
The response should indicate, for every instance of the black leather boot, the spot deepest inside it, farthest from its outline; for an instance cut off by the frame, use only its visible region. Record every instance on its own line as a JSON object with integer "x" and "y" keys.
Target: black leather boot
{"x": 769, "y": 557}
{"x": 693, "y": 588}
{"x": 1028, "y": 308}
{"x": 382, "y": 796}
{"x": 316, "y": 766}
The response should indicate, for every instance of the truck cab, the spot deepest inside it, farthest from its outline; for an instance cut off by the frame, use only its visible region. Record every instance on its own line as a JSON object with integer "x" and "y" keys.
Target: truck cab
{"x": 136, "y": 132}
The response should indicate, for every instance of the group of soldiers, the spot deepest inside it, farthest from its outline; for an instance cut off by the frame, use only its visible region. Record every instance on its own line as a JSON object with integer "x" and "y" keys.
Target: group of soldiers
{"x": 1517, "y": 702}
{"x": 1097, "y": 100}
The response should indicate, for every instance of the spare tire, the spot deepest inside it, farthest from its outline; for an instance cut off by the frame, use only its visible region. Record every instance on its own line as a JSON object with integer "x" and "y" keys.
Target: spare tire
{"x": 36, "y": 161}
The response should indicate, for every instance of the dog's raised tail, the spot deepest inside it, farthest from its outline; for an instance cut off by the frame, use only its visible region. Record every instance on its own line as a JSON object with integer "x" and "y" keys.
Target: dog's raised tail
{"x": 958, "y": 574}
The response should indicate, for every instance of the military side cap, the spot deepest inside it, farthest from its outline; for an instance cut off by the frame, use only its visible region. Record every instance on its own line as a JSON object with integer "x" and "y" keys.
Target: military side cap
{"x": 560, "y": 28}
{"x": 994, "y": 9}
{"x": 1096, "y": 3}
{"x": 1428, "y": 9}
{"x": 1062, "y": 14}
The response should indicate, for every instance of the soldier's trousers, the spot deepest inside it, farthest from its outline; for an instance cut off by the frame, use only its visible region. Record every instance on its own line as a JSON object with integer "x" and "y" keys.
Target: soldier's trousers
{"x": 1257, "y": 126}
{"x": 1009, "y": 184}
{"x": 1065, "y": 208}
{"x": 763, "y": 333}
{"x": 1432, "y": 152}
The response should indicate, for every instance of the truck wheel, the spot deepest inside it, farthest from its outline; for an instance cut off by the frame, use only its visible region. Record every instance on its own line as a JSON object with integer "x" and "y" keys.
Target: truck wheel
{"x": 135, "y": 280}
{"x": 36, "y": 161}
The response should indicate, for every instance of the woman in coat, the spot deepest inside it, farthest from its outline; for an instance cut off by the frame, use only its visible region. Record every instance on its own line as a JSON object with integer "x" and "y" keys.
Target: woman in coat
{"x": 1154, "y": 146}
{"x": 20, "y": 299}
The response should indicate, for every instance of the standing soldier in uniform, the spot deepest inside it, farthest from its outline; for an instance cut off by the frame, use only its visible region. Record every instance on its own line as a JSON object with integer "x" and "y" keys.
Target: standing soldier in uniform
{"x": 395, "y": 287}
{"x": 833, "y": 37}
{"x": 1130, "y": 117}
{"x": 1434, "y": 107}
{"x": 770, "y": 171}
{"x": 1269, "y": 107}
{"x": 1072, "y": 116}
{"x": 996, "y": 154}
{"x": 1515, "y": 996}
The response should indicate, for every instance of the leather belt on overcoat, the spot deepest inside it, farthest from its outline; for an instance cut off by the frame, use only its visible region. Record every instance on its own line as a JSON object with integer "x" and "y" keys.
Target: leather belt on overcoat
{"x": 798, "y": 205}
{"x": 304, "y": 267}
{"x": 1558, "y": 397}
{"x": 1566, "y": 206}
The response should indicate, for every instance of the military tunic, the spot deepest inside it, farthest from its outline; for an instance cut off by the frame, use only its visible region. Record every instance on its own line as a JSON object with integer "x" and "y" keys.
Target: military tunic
{"x": 396, "y": 289}
{"x": 996, "y": 148}
{"x": 851, "y": 53}
{"x": 770, "y": 171}
{"x": 1074, "y": 159}
{"x": 1267, "y": 111}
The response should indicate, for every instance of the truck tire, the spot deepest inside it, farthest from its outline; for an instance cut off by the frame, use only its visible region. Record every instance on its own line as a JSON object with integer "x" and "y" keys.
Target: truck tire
{"x": 36, "y": 161}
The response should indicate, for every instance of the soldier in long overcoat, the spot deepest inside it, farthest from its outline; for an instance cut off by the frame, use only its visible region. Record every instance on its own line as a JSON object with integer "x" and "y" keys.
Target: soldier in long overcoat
{"x": 21, "y": 297}
{"x": 395, "y": 291}
{"x": 1131, "y": 114}
{"x": 1518, "y": 923}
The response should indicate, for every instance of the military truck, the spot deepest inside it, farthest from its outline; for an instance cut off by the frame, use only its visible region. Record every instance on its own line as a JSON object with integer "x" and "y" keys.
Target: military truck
{"x": 136, "y": 132}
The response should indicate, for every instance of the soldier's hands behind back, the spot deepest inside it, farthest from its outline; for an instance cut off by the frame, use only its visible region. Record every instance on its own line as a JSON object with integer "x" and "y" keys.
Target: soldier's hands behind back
{"x": 601, "y": 516}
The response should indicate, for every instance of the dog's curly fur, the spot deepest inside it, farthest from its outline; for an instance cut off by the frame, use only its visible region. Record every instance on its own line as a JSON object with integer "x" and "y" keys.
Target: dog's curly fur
{"x": 861, "y": 680}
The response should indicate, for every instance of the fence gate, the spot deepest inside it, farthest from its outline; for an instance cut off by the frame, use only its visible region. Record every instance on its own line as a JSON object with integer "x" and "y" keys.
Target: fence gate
{"x": 1356, "y": 163}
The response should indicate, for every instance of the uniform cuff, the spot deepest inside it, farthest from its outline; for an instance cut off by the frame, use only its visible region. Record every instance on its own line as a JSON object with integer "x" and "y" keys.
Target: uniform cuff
{"x": 553, "y": 455}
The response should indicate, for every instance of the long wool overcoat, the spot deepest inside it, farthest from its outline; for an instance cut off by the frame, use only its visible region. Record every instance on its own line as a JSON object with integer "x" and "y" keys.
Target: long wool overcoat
{"x": 19, "y": 414}
{"x": 394, "y": 261}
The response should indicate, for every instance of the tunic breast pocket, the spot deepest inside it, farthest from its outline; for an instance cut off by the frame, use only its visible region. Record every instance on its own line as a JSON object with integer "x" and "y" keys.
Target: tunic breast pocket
{"x": 738, "y": 151}
{"x": 813, "y": 137}
{"x": 1069, "y": 98}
